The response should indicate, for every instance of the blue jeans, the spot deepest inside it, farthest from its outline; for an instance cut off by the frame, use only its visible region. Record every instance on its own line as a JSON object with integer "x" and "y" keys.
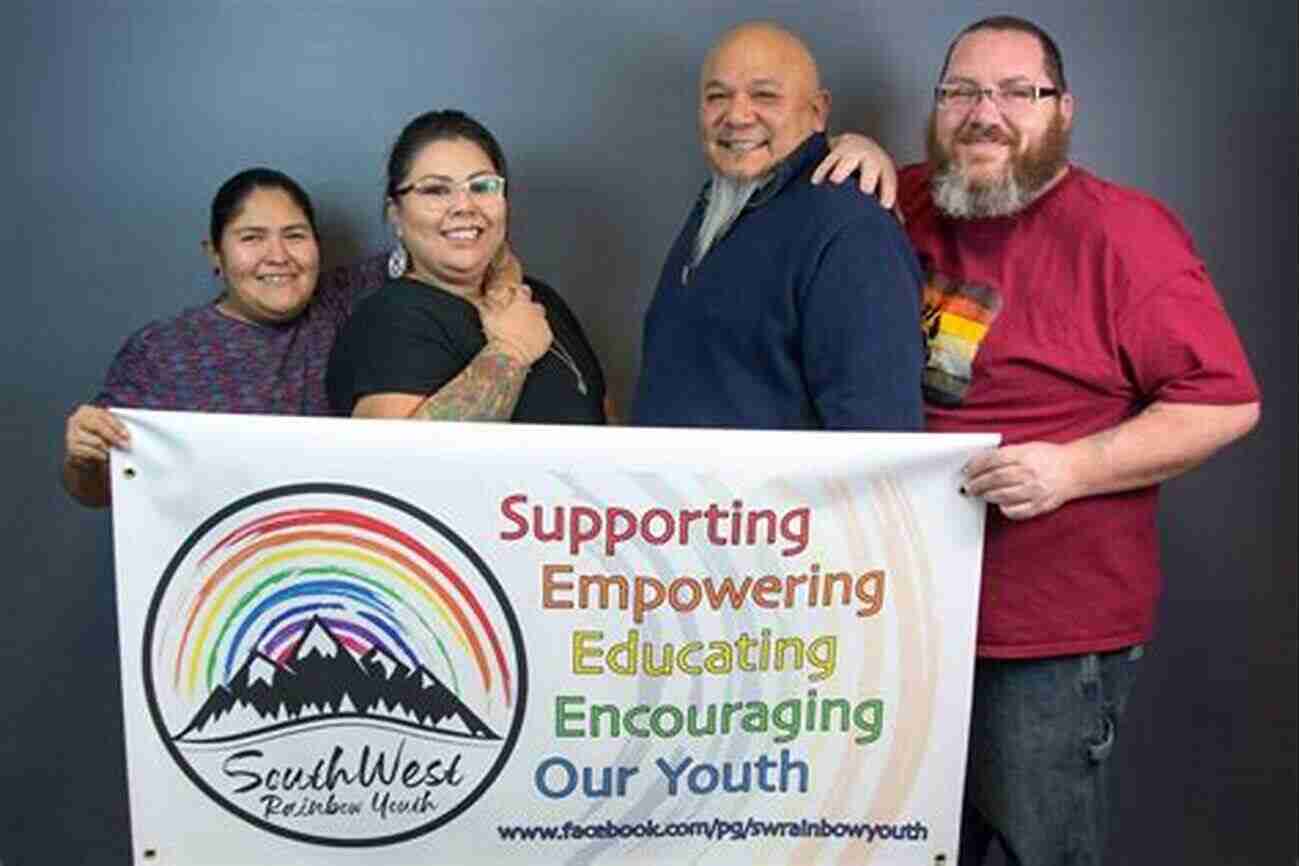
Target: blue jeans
{"x": 1036, "y": 771}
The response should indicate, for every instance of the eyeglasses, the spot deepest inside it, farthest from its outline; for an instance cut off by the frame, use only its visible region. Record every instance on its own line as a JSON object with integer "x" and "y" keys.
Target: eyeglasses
{"x": 1009, "y": 98}
{"x": 437, "y": 193}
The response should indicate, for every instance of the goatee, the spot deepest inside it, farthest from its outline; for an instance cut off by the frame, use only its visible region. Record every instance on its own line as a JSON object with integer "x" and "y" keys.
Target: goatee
{"x": 727, "y": 198}
{"x": 1025, "y": 176}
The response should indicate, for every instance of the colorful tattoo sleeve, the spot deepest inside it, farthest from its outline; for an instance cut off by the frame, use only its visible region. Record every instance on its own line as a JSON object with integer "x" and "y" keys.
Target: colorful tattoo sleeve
{"x": 486, "y": 390}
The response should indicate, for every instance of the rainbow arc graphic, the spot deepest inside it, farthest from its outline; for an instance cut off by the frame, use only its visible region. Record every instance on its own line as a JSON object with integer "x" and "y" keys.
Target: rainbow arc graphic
{"x": 259, "y": 588}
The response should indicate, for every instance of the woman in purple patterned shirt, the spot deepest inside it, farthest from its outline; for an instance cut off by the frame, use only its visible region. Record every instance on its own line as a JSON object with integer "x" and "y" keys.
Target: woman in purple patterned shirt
{"x": 261, "y": 347}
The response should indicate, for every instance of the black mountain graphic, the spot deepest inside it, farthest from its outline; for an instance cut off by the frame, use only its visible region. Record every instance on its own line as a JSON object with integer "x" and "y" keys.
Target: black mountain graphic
{"x": 325, "y": 679}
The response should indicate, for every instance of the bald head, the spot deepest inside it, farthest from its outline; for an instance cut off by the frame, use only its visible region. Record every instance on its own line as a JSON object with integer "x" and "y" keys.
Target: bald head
{"x": 771, "y": 40}
{"x": 760, "y": 98}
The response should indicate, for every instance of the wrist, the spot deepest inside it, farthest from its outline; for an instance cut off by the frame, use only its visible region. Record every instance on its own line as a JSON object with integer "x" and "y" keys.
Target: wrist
{"x": 510, "y": 350}
{"x": 1083, "y": 466}
{"x": 84, "y": 465}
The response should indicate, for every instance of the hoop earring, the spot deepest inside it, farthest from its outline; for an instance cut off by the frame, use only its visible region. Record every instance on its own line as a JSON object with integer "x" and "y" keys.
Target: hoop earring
{"x": 398, "y": 261}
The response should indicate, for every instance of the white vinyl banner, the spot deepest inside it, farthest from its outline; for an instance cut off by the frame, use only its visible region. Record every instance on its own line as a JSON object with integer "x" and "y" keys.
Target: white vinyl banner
{"x": 407, "y": 643}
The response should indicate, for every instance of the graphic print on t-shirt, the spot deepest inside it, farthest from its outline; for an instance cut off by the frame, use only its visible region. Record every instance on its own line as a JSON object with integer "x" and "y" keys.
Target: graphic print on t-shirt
{"x": 955, "y": 318}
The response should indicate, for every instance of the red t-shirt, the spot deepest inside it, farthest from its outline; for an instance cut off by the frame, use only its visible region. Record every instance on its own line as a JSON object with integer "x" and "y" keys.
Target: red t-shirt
{"x": 1051, "y": 325}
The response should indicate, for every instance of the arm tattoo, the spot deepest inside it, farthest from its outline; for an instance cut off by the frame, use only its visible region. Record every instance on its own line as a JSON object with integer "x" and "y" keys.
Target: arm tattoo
{"x": 486, "y": 390}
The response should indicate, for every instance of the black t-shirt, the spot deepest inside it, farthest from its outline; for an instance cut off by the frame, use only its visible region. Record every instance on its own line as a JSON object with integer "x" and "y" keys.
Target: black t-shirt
{"x": 410, "y": 338}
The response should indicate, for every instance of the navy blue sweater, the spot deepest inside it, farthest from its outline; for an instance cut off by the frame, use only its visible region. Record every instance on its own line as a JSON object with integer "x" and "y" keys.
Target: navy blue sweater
{"x": 803, "y": 316}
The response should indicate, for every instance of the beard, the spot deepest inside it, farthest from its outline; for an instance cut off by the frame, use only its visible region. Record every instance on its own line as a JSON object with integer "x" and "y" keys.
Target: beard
{"x": 1023, "y": 178}
{"x": 727, "y": 198}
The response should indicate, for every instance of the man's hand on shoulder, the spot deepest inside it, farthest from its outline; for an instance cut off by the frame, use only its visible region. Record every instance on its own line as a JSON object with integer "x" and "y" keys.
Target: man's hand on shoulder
{"x": 851, "y": 152}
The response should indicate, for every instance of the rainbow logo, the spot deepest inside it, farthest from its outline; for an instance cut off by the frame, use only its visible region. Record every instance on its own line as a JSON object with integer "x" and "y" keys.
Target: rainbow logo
{"x": 325, "y": 623}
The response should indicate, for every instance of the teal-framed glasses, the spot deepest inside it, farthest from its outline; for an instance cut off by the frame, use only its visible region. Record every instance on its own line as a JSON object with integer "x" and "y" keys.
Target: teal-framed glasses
{"x": 439, "y": 192}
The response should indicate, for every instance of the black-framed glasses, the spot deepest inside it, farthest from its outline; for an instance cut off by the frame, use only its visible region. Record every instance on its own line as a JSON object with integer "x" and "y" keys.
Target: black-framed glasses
{"x": 439, "y": 192}
{"x": 1010, "y": 98}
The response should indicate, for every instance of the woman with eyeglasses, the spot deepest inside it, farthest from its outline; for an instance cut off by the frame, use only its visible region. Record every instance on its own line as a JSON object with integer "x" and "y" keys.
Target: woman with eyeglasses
{"x": 457, "y": 333}
{"x": 259, "y": 347}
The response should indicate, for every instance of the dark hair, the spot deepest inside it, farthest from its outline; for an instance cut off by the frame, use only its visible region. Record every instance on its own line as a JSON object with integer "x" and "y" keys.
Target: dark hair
{"x": 229, "y": 200}
{"x": 434, "y": 126}
{"x": 1052, "y": 62}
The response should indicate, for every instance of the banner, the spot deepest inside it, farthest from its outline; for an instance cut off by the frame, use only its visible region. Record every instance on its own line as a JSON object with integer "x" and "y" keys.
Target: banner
{"x": 351, "y": 642}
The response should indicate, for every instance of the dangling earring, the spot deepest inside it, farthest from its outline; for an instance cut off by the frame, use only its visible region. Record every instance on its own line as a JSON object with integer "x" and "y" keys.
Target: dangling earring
{"x": 397, "y": 261}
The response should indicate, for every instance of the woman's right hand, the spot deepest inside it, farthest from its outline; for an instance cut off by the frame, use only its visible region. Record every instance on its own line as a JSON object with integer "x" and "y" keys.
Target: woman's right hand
{"x": 91, "y": 432}
{"x": 515, "y": 323}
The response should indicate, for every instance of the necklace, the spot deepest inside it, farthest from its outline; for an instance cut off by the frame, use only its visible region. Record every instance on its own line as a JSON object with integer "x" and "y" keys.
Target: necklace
{"x": 558, "y": 350}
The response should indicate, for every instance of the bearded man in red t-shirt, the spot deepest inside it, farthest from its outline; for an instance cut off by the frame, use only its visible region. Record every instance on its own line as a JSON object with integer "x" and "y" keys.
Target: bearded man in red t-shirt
{"x": 1073, "y": 316}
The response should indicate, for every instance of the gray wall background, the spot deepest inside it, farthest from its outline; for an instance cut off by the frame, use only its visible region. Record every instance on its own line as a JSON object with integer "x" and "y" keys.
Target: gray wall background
{"x": 126, "y": 117}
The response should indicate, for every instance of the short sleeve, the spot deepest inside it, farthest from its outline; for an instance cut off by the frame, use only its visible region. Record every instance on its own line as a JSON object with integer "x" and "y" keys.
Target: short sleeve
{"x": 132, "y": 379}
{"x": 1180, "y": 347}
{"x": 397, "y": 344}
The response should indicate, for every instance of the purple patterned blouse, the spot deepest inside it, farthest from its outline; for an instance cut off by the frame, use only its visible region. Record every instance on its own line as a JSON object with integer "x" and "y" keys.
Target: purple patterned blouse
{"x": 204, "y": 361}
